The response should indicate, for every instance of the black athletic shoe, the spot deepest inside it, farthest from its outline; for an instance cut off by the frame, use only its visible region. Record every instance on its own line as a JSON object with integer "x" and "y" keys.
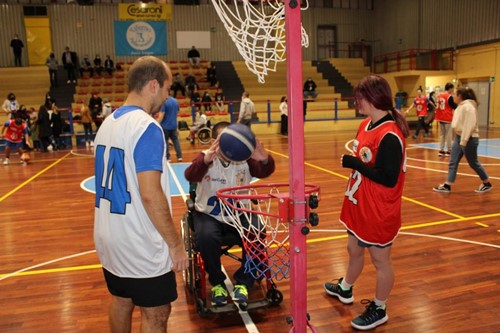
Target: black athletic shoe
{"x": 372, "y": 317}
{"x": 334, "y": 289}
{"x": 484, "y": 188}
{"x": 443, "y": 188}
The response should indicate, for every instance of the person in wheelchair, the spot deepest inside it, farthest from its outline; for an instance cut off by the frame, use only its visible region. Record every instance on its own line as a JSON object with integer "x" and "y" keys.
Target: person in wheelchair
{"x": 211, "y": 171}
{"x": 199, "y": 123}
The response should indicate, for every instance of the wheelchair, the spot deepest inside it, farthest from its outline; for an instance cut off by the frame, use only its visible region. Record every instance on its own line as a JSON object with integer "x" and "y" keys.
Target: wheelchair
{"x": 195, "y": 277}
{"x": 203, "y": 134}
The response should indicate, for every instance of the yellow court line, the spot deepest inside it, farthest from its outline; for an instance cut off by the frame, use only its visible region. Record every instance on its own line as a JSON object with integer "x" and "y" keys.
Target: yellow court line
{"x": 18, "y": 187}
{"x": 308, "y": 241}
{"x": 482, "y": 225}
{"x": 345, "y": 177}
{"x": 56, "y": 270}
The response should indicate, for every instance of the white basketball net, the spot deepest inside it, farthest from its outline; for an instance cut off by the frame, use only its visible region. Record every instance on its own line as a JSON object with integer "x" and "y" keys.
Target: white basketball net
{"x": 258, "y": 30}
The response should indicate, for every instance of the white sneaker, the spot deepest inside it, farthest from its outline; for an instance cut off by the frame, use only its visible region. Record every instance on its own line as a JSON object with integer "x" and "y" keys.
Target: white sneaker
{"x": 6, "y": 161}
{"x": 91, "y": 143}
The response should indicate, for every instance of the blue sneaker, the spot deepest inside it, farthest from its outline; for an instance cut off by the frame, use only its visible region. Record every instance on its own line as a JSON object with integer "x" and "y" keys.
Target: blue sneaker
{"x": 240, "y": 295}
{"x": 219, "y": 295}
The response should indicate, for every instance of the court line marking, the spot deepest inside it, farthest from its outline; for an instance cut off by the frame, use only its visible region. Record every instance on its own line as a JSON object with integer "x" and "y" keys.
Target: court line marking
{"x": 29, "y": 270}
{"x": 26, "y": 182}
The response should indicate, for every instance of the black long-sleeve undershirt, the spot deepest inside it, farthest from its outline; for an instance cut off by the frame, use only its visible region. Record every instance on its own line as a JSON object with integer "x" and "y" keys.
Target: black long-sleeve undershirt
{"x": 387, "y": 161}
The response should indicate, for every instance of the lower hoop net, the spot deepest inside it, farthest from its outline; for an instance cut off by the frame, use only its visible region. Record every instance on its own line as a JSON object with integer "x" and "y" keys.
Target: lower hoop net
{"x": 260, "y": 214}
{"x": 258, "y": 30}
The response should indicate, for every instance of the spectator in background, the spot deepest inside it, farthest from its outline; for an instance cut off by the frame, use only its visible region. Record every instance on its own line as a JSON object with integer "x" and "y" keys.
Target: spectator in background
{"x": 53, "y": 66}
{"x": 191, "y": 84}
{"x": 17, "y": 47}
{"x": 86, "y": 66}
{"x": 178, "y": 85}
{"x": 109, "y": 65}
{"x": 10, "y": 105}
{"x": 95, "y": 106}
{"x": 247, "y": 110}
{"x": 107, "y": 108}
{"x": 33, "y": 127}
{"x": 284, "y": 115}
{"x": 49, "y": 101}
{"x": 167, "y": 118}
{"x": 310, "y": 89}
{"x": 219, "y": 100}
{"x": 200, "y": 122}
{"x": 212, "y": 74}
{"x": 70, "y": 62}
{"x": 87, "y": 124}
{"x": 196, "y": 99}
{"x": 193, "y": 57}
{"x": 57, "y": 128}
{"x": 98, "y": 66}
{"x": 206, "y": 100}
{"x": 44, "y": 129}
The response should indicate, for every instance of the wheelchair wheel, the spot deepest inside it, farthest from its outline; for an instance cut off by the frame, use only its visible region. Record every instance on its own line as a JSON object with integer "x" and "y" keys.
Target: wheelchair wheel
{"x": 275, "y": 296}
{"x": 204, "y": 135}
{"x": 187, "y": 274}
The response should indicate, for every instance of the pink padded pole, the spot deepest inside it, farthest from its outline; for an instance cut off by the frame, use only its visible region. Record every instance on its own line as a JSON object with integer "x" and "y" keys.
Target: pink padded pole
{"x": 298, "y": 269}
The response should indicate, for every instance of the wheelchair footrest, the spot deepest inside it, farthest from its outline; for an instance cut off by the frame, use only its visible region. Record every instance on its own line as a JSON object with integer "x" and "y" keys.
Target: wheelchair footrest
{"x": 230, "y": 307}
{"x": 258, "y": 304}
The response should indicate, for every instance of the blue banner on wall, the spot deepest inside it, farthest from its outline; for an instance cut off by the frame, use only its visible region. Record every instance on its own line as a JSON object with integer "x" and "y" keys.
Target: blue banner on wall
{"x": 138, "y": 38}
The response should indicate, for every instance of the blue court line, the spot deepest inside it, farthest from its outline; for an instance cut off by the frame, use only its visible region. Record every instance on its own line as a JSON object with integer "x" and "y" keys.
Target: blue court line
{"x": 486, "y": 148}
{"x": 89, "y": 183}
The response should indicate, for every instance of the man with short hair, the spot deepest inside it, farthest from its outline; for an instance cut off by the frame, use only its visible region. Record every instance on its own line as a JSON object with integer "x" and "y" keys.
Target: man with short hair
{"x": 167, "y": 118}
{"x": 70, "y": 63}
{"x": 135, "y": 237}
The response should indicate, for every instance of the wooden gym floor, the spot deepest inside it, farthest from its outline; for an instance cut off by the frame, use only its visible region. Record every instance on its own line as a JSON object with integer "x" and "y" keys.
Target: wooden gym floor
{"x": 446, "y": 259}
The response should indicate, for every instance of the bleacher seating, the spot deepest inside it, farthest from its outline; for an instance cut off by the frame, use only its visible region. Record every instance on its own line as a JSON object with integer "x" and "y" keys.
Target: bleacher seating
{"x": 29, "y": 84}
{"x": 275, "y": 87}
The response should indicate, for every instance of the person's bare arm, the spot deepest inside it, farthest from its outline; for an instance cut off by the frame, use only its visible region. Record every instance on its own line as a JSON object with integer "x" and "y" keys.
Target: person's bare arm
{"x": 158, "y": 210}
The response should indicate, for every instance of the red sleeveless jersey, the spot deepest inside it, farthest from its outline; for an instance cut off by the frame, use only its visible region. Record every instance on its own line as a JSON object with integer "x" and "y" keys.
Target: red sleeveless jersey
{"x": 444, "y": 112}
{"x": 421, "y": 105}
{"x": 14, "y": 133}
{"x": 372, "y": 211}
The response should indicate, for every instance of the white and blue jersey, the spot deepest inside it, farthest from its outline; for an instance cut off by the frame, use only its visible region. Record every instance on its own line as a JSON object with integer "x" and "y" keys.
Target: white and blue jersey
{"x": 129, "y": 141}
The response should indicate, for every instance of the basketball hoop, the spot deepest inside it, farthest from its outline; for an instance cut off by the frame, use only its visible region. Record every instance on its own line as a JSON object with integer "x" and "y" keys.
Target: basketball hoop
{"x": 267, "y": 245}
{"x": 258, "y": 30}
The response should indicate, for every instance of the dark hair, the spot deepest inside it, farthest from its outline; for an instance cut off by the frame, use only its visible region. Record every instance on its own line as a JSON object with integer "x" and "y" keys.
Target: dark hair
{"x": 449, "y": 86}
{"x": 11, "y": 96}
{"x": 218, "y": 128}
{"x": 283, "y": 99}
{"x": 146, "y": 69}
{"x": 431, "y": 94}
{"x": 376, "y": 90}
{"x": 466, "y": 93}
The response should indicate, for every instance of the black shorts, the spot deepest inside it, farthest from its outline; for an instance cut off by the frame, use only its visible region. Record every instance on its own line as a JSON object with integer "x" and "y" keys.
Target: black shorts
{"x": 366, "y": 245}
{"x": 147, "y": 292}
